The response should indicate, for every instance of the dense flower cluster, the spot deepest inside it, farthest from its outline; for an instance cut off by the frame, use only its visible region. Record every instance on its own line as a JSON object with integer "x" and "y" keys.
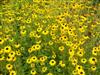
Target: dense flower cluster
{"x": 49, "y": 37}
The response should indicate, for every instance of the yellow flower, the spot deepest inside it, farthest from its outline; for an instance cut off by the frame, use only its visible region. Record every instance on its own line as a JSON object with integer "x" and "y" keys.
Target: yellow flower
{"x": 93, "y": 68}
{"x": 2, "y": 58}
{"x": 1, "y": 41}
{"x": 61, "y": 63}
{"x": 71, "y": 52}
{"x": 9, "y": 58}
{"x": 7, "y": 49}
{"x": 80, "y": 53}
{"x": 11, "y": 54}
{"x": 34, "y": 59}
{"x": 33, "y": 72}
{"x": 49, "y": 73}
{"x": 74, "y": 72}
{"x": 38, "y": 47}
{"x": 44, "y": 69}
{"x": 52, "y": 62}
{"x": 43, "y": 58}
{"x": 92, "y": 60}
{"x": 94, "y": 52}
{"x": 74, "y": 61}
{"x": 61, "y": 48}
{"x": 79, "y": 67}
{"x": 18, "y": 53}
{"x": 14, "y": 58}
{"x": 17, "y": 45}
{"x": 1, "y": 51}
{"x": 30, "y": 50}
{"x": 45, "y": 32}
{"x": 84, "y": 60}
{"x": 9, "y": 66}
{"x": 28, "y": 20}
{"x": 50, "y": 42}
{"x": 23, "y": 32}
{"x": 28, "y": 61}
{"x": 39, "y": 29}
{"x": 81, "y": 72}
{"x": 12, "y": 72}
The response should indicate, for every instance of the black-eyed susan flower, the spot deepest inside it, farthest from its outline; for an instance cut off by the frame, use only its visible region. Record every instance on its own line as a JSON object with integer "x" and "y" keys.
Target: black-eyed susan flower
{"x": 74, "y": 72}
{"x": 50, "y": 43}
{"x": 93, "y": 68}
{"x": 61, "y": 48}
{"x": 94, "y": 52}
{"x": 83, "y": 60}
{"x": 52, "y": 62}
{"x": 34, "y": 59}
{"x": 11, "y": 54}
{"x": 62, "y": 64}
{"x": 50, "y": 73}
{"x": 2, "y": 58}
{"x": 38, "y": 47}
{"x": 43, "y": 58}
{"x": 44, "y": 69}
{"x": 93, "y": 60}
{"x": 12, "y": 72}
{"x": 1, "y": 51}
{"x": 28, "y": 61}
{"x": 79, "y": 67}
{"x": 7, "y": 49}
{"x": 1, "y": 41}
{"x": 9, "y": 66}
{"x": 45, "y": 32}
{"x": 80, "y": 53}
{"x": 9, "y": 58}
{"x": 81, "y": 72}
{"x": 33, "y": 72}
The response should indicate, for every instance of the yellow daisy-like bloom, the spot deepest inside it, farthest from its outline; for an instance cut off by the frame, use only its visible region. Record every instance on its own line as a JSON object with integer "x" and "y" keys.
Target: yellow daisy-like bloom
{"x": 39, "y": 29}
{"x": 92, "y": 60}
{"x": 74, "y": 72}
{"x": 7, "y": 49}
{"x": 28, "y": 61}
{"x": 80, "y": 53}
{"x": 49, "y": 74}
{"x": 9, "y": 66}
{"x": 94, "y": 52}
{"x": 2, "y": 58}
{"x": 34, "y": 59}
{"x": 61, "y": 63}
{"x": 1, "y": 51}
{"x": 52, "y": 62}
{"x": 1, "y": 41}
{"x": 93, "y": 68}
{"x": 50, "y": 42}
{"x": 43, "y": 58}
{"x": 14, "y": 58}
{"x": 23, "y": 32}
{"x": 71, "y": 52}
{"x": 83, "y": 60}
{"x": 45, "y": 32}
{"x": 37, "y": 46}
{"x": 44, "y": 69}
{"x": 81, "y": 72}
{"x": 17, "y": 45}
{"x": 79, "y": 67}
{"x": 9, "y": 58}
{"x": 12, "y": 72}
{"x": 61, "y": 48}
{"x": 18, "y": 53}
{"x": 30, "y": 50}
{"x": 11, "y": 54}
{"x": 33, "y": 72}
